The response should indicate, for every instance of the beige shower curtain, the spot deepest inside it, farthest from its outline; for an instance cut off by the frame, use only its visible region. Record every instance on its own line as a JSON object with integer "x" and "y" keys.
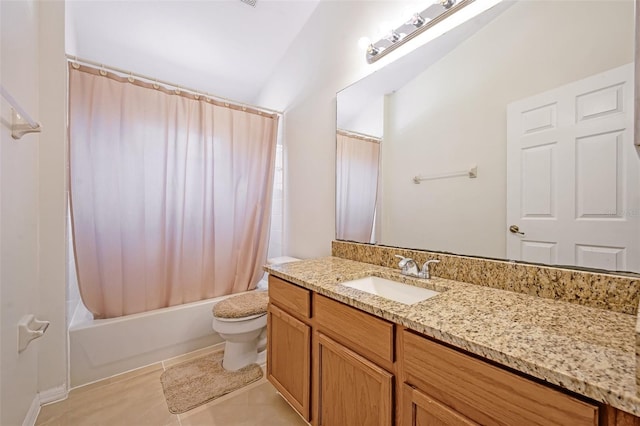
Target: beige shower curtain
{"x": 357, "y": 164}
{"x": 170, "y": 194}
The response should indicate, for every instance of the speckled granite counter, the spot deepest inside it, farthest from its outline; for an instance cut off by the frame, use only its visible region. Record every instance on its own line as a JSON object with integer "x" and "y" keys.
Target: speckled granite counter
{"x": 586, "y": 350}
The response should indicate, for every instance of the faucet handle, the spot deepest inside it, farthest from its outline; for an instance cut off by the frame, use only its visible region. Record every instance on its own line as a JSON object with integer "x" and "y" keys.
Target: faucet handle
{"x": 408, "y": 266}
{"x": 425, "y": 273}
{"x": 403, "y": 260}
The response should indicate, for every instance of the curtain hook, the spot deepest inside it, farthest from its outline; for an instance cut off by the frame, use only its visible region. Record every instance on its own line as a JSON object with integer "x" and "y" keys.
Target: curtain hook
{"x": 177, "y": 90}
{"x": 155, "y": 84}
{"x": 103, "y": 72}
{"x": 130, "y": 78}
{"x": 75, "y": 63}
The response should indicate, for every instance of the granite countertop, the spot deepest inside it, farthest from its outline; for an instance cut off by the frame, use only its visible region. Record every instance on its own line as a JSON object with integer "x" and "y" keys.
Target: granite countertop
{"x": 585, "y": 350}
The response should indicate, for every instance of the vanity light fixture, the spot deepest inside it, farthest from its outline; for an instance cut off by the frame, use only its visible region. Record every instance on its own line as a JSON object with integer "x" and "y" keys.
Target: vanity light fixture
{"x": 418, "y": 23}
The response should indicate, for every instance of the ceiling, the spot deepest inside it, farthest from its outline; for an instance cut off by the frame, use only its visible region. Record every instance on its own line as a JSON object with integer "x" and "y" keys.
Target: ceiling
{"x": 223, "y": 47}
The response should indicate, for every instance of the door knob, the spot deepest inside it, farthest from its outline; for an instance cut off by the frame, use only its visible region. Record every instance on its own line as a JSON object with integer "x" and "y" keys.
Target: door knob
{"x": 515, "y": 230}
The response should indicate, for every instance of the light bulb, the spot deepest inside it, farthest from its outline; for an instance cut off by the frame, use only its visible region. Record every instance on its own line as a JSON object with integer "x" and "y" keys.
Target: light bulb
{"x": 446, "y": 3}
{"x": 416, "y": 20}
{"x": 364, "y": 43}
{"x": 393, "y": 37}
{"x": 385, "y": 27}
{"x": 372, "y": 50}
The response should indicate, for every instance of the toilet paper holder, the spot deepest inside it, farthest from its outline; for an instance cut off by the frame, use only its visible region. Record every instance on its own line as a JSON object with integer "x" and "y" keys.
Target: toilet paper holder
{"x": 29, "y": 328}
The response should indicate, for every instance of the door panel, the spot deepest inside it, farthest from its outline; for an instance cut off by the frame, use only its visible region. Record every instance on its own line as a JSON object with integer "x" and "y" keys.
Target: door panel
{"x": 538, "y": 181}
{"x": 573, "y": 179}
{"x": 599, "y": 195}
{"x": 539, "y": 251}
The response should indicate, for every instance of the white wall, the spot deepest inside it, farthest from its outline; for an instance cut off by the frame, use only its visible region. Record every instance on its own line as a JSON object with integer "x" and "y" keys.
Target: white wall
{"x": 52, "y": 198}
{"x": 323, "y": 60}
{"x": 32, "y": 185}
{"x": 454, "y": 115}
{"x": 18, "y": 210}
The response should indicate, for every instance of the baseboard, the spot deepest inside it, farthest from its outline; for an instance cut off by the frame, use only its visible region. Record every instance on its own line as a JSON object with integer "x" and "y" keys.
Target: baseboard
{"x": 53, "y": 395}
{"x": 32, "y": 414}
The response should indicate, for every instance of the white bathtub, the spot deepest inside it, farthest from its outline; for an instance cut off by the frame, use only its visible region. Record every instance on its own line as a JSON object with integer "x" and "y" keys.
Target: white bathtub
{"x": 103, "y": 348}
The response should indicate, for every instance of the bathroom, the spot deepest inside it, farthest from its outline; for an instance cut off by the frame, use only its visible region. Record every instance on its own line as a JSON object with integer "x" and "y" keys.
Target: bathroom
{"x": 314, "y": 55}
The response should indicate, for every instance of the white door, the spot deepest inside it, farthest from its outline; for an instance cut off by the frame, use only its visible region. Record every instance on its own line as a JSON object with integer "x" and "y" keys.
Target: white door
{"x": 573, "y": 175}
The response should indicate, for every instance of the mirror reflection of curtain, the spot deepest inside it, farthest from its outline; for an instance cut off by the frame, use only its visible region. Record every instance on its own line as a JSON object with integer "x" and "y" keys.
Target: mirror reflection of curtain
{"x": 357, "y": 168}
{"x": 170, "y": 195}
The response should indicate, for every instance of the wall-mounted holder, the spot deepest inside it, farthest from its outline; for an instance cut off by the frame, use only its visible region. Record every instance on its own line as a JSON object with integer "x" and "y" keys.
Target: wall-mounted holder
{"x": 21, "y": 122}
{"x": 472, "y": 173}
{"x": 30, "y": 328}
{"x": 21, "y": 127}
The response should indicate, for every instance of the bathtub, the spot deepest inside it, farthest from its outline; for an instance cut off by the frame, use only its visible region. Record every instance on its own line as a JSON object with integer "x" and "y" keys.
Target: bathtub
{"x": 103, "y": 348}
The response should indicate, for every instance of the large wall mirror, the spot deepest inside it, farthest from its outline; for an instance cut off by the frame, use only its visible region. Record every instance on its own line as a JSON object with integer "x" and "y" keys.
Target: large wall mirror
{"x": 537, "y": 98}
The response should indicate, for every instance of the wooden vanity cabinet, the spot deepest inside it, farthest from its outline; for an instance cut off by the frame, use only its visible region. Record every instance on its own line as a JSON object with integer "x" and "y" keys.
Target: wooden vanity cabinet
{"x": 353, "y": 366}
{"x": 446, "y": 386}
{"x": 351, "y": 390}
{"x": 340, "y": 366}
{"x": 289, "y": 343}
{"x": 347, "y": 353}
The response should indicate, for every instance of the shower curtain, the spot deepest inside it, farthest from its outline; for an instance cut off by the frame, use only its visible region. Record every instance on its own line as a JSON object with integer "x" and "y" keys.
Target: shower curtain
{"x": 357, "y": 165}
{"x": 170, "y": 193}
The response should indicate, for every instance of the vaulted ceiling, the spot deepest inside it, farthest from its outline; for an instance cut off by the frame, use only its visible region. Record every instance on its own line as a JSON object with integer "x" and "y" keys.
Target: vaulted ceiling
{"x": 223, "y": 47}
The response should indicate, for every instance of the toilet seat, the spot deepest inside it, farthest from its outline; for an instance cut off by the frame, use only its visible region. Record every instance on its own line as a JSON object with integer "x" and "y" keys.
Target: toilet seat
{"x": 250, "y": 317}
{"x": 242, "y": 307}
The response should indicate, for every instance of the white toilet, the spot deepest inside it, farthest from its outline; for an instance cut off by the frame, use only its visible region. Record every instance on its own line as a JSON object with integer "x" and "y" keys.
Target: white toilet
{"x": 242, "y": 322}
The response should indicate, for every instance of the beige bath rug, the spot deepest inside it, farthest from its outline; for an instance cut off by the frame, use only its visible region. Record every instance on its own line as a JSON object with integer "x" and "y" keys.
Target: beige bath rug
{"x": 200, "y": 380}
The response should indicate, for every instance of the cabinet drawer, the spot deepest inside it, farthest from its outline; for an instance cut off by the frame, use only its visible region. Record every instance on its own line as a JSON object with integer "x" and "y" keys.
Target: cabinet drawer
{"x": 371, "y": 336}
{"x": 485, "y": 393}
{"x": 293, "y": 299}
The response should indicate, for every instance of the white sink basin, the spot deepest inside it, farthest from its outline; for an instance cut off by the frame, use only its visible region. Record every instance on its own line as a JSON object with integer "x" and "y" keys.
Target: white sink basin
{"x": 399, "y": 292}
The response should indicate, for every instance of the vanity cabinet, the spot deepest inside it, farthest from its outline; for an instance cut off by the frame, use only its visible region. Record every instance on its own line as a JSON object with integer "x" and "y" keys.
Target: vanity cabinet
{"x": 341, "y": 366}
{"x": 447, "y": 386}
{"x": 333, "y": 363}
{"x": 354, "y": 366}
{"x": 351, "y": 390}
{"x": 289, "y": 343}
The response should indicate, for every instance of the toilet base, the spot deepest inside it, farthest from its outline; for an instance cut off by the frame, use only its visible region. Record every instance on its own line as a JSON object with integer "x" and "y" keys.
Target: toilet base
{"x": 239, "y": 354}
{"x": 262, "y": 358}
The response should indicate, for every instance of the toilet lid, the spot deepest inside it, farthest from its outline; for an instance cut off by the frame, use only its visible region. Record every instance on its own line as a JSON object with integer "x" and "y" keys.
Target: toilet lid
{"x": 243, "y": 305}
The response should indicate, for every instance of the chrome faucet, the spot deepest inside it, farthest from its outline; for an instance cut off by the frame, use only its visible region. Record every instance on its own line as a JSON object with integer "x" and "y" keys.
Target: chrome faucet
{"x": 408, "y": 266}
{"x": 425, "y": 273}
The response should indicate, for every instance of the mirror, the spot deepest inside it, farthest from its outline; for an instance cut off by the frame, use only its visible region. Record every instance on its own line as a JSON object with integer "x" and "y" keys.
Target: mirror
{"x": 537, "y": 96}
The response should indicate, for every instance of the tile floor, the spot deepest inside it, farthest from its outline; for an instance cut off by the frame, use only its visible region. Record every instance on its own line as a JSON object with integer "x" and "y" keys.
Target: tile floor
{"x": 136, "y": 399}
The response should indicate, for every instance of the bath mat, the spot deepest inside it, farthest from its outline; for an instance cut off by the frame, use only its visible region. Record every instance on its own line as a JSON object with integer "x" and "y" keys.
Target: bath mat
{"x": 200, "y": 380}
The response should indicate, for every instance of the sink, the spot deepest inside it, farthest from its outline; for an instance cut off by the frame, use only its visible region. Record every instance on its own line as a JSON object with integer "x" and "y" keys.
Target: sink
{"x": 399, "y": 292}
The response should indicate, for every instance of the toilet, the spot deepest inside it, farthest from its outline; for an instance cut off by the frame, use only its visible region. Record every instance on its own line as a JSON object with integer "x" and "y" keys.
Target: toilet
{"x": 241, "y": 321}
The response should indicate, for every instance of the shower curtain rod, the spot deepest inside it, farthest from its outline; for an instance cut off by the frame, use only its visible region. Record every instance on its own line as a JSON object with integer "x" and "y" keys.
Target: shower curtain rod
{"x": 370, "y": 138}
{"x": 126, "y": 73}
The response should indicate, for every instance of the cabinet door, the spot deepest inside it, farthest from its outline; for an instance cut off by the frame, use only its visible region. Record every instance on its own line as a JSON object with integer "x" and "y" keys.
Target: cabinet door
{"x": 351, "y": 390}
{"x": 289, "y": 358}
{"x": 420, "y": 409}
{"x": 488, "y": 394}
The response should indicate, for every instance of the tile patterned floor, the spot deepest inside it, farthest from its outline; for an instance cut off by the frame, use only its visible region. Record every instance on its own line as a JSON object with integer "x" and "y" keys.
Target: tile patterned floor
{"x": 136, "y": 399}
